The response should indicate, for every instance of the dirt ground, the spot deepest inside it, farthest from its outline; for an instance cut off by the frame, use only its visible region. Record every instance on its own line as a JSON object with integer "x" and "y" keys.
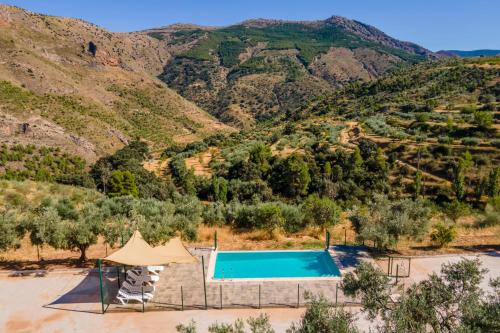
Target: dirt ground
{"x": 38, "y": 304}
{"x": 48, "y": 303}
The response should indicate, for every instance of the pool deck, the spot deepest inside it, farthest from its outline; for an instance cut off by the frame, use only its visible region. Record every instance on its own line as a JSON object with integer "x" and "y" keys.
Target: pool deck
{"x": 244, "y": 293}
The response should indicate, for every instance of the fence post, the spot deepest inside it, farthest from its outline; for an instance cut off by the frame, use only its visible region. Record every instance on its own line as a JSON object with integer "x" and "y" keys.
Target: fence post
{"x": 388, "y": 266}
{"x": 142, "y": 293}
{"x": 298, "y": 295}
{"x": 397, "y": 273}
{"x": 409, "y": 266}
{"x": 336, "y": 293}
{"x": 259, "y": 296}
{"x": 327, "y": 239}
{"x": 220, "y": 291}
{"x": 204, "y": 282}
{"x": 182, "y": 299}
{"x": 118, "y": 276}
{"x": 345, "y": 236}
{"x": 100, "y": 285}
{"x": 215, "y": 240}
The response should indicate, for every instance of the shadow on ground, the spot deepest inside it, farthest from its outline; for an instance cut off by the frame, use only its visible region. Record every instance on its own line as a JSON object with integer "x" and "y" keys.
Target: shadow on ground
{"x": 350, "y": 255}
{"x": 20, "y": 265}
{"x": 86, "y": 296}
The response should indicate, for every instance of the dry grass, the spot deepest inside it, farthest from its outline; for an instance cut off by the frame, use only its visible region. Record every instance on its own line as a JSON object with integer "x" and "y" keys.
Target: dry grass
{"x": 29, "y": 194}
{"x": 158, "y": 166}
{"x": 200, "y": 162}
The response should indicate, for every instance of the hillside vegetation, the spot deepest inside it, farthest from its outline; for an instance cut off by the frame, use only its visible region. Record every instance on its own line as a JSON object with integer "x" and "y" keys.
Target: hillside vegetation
{"x": 403, "y": 156}
{"x": 260, "y": 68}
{"x": 91, "y": 89}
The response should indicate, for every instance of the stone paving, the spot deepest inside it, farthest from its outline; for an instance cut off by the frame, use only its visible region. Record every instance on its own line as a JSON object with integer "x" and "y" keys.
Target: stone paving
{"x": 233, "y": 294}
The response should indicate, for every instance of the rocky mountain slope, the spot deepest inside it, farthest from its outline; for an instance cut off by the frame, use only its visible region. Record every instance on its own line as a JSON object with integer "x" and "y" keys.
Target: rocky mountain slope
{"x": 259, "y": 68}
{"x": 68, "y": 83}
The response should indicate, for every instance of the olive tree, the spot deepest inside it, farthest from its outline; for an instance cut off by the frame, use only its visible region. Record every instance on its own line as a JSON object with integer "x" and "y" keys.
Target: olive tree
{"x": 322, "y": 212}
{"x": 385, "y": 221}
{"x": 259, "y": 324}
{"x": 157, "y": 220}
{"x": 451, "y": 301}
{"x": 61, "y": 226}
{"x": 321, "y": 317}
{"x": 9, "y": 231}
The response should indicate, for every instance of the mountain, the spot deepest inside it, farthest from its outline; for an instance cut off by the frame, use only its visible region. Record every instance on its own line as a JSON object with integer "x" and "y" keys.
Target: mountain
{"x": 260, "y": 68}
{"x": 71, "y": 84}
{"x": 468, "y": 54}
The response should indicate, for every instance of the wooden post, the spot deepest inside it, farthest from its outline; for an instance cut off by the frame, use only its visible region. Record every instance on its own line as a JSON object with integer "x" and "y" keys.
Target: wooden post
{"x": 327, "y": 245}
{"x": 397, "y": 273}
{"x": 215, "y": 240}
{"x": 388, "y": 266}
{"x": 204, "y": 282}
{"x": 100, "y": 285}
{"x": 37, "y": 252}
{"x": 345, "y": 236}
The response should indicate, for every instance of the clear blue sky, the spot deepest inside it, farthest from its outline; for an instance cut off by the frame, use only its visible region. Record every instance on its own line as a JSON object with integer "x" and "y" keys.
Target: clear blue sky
{"x": 435, "y": 24}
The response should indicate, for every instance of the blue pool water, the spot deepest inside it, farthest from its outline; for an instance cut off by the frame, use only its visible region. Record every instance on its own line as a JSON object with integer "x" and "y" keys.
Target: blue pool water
{"x": 274, "y": 264}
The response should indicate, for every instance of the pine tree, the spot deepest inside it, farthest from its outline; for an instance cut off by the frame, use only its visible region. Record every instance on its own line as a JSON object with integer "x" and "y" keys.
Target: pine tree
{"x": 417, "y": 184}
{"x": 122, "y": 183}
{"x": 459, "y": 183}
{"x": 327, "y": 170}
{"x": 493, "y": 187}
{"x": 129, "y": 186}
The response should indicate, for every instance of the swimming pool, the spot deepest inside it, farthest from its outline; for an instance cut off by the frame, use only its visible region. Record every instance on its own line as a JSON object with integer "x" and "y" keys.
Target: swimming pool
{"x": 274, "y": 264}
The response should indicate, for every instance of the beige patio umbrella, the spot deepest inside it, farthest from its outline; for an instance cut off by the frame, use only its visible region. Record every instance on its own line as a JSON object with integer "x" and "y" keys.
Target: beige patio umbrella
{"x": 175, "y": 251}
{"x": 137, "y": 252}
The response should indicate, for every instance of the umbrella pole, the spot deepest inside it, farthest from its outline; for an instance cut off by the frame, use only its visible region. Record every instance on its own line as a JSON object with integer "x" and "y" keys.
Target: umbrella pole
{"x": 100, "y": 285}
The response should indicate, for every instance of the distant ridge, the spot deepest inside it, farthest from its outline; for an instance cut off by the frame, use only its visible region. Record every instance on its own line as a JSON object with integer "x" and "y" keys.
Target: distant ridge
{"x": 469, "y": 54}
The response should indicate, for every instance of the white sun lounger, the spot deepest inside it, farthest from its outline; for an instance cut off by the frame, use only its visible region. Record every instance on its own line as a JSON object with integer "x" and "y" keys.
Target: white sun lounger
{"x": 139, "y": 276}
{"x": 134, "y": 288}
{"x": 155, "y": 269}
{"x": 124, "y": 297}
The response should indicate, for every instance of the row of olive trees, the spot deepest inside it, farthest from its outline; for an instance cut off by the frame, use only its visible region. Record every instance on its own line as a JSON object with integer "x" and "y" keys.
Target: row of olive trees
{"x": 275, "y": 216}
{"x": 63, "y": 225}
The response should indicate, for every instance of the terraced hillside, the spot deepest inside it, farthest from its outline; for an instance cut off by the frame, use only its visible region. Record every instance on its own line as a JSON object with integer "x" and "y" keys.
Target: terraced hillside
{"x": 439, "y": 119}
{"x": 260, "y": 68}
{"x": 70, "y": 84}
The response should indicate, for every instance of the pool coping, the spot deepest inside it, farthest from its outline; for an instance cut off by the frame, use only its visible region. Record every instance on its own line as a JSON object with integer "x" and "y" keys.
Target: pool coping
{"x": 213, "y": 257}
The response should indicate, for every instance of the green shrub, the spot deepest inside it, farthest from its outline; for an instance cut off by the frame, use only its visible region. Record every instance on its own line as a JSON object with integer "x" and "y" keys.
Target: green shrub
{"x": 443, "y": 234}
{"x": 495, "y": 143}
{"x": 468, "y": 141}
{"x": 322, "y": 212}
{"x": 445, "y": 140}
